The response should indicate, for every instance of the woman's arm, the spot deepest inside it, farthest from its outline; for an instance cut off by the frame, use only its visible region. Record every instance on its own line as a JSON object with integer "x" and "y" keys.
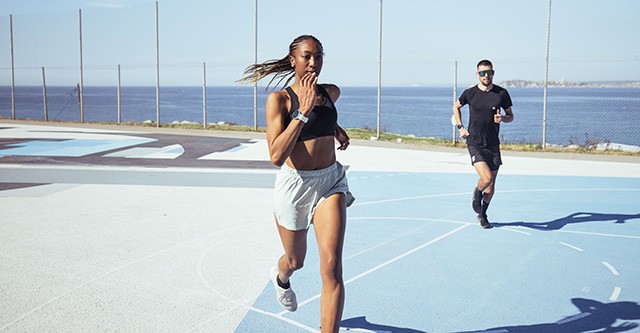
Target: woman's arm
{"x": 281, "y": 140}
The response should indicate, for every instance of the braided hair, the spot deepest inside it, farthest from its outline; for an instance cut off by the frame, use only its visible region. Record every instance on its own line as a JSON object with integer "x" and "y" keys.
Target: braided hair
{"x": 280, "y": 67}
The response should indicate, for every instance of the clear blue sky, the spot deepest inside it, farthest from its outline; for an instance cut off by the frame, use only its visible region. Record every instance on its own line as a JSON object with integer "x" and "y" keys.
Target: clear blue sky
{"x": 590, "y": 40}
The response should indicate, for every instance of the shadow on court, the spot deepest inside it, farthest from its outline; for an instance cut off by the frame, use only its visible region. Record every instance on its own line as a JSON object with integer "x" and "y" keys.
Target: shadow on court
{"x": 593, "y": 316}
{"x": 361, "y": 323}
{"x": 580, "y": 217}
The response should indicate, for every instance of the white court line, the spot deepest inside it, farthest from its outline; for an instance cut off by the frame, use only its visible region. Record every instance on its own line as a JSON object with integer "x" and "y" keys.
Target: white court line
{"x": 616, "y": 293}
{"x": 501, "y": 191}
{"x": 598, "y": 234}
{"x": 405, "y": 219}
{"x": 611, "y": 268}
{"x": 570, "y": 190}
{"x": 388, "y": 262}
{"x": 512, "y": 229}
{"x": 391, "y": 240}
{"x": 409, "y": 198}
{"x": 108, "y": 273}
{"x": 571, "y": 246}
{"x": 239, "y": 304}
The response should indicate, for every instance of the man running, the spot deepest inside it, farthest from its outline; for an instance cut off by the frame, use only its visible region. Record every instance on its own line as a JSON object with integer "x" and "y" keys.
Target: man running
{"x": 485, "y": 101}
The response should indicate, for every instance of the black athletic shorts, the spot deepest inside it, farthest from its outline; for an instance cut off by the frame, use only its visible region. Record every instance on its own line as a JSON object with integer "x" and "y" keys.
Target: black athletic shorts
{"x": 489, "y": 155}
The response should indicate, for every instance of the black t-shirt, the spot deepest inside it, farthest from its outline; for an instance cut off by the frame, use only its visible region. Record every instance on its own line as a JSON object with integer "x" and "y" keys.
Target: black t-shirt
{"x": 483, "y": 132}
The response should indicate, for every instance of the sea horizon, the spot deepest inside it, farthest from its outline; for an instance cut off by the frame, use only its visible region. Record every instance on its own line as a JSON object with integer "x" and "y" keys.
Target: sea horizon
{"x": 573, "y": 113}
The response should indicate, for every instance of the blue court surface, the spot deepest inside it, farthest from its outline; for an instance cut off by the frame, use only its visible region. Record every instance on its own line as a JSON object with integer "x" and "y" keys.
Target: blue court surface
{"x": 144, "y": 211}
{"x": 564, "y": 256}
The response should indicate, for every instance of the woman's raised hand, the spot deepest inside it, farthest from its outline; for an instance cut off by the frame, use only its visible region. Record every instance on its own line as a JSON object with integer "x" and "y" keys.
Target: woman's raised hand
{"x": 307, "y": 94}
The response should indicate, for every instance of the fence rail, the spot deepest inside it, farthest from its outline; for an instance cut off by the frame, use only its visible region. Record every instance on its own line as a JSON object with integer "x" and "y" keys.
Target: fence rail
{"x": 584, "y": 112}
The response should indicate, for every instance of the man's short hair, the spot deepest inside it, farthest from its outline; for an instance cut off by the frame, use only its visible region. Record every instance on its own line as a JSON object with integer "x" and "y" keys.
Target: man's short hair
{"x": 484, "y": 62}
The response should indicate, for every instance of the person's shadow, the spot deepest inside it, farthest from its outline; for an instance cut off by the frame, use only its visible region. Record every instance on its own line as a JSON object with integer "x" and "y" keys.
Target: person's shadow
{"x": 580, "y": 217}
{"x": 593, "y": 316}
{"x": 361, "y": 323}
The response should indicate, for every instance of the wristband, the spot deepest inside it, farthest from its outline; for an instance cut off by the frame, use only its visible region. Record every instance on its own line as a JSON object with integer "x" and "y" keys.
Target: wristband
{"x": 297, "y": 115}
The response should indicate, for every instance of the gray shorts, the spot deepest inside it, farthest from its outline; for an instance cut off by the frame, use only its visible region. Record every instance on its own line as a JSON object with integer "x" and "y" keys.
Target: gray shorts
{"x": 297, "y": 193}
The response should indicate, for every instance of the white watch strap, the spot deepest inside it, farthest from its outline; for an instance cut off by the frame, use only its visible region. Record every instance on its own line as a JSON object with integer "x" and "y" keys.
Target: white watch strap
{"x": 300, "y": 117}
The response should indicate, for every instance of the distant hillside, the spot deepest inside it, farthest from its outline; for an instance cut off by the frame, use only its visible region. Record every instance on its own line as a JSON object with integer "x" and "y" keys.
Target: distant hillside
{"x": 570, "y": 84}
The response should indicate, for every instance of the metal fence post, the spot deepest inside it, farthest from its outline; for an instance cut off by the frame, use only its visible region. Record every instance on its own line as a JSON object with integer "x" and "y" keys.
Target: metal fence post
{"x": 379, "y": 70}
{"x": 455, "y": 96}
{"x": 255, "y": 61}
{"x": 44, "y": 96}
{"x": 157, "y": 70}
{"x": 119, "y": 98}
{"x": 546, "y": 80}
{"x": 81, "y": 84}
{"x": 13, "y": 78}
{"x": 204, "y": 95}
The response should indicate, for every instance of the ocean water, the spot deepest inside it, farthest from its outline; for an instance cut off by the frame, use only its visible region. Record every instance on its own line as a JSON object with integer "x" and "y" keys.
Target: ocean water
{"x": 574, "y": 115}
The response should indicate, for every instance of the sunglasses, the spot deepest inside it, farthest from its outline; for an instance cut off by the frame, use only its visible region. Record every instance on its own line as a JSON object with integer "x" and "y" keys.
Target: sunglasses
{"x": 489, "y": 72}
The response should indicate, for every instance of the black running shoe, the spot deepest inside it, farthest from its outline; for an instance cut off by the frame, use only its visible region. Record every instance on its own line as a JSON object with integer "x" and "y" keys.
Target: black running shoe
{"x": 484, "y": 223}
{"x": 476, "y": 203}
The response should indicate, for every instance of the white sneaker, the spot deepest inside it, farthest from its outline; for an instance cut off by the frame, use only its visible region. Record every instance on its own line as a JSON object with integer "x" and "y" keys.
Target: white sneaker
{"x": 286, "y": 297}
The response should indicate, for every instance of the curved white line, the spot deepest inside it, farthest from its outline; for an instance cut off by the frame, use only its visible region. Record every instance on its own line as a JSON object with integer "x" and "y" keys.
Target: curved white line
{"x": 611, "y": 268}
{"x": 28, "y": 313}
{"x": 241, "y": 304}
{"x": 33, "y": 310}
{"x": 615, "y": 294}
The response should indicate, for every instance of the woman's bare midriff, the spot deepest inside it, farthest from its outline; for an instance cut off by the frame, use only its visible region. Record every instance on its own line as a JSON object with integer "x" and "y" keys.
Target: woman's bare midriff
{"x": 313, "y": 154}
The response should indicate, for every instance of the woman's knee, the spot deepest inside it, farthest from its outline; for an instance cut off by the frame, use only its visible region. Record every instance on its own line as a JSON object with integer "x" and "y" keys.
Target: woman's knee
{"x": 331, "y": 269}
{"x": 294, "y": 263}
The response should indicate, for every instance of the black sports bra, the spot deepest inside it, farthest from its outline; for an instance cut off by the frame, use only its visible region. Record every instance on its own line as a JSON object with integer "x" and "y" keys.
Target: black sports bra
{"x": 323, "y": 119}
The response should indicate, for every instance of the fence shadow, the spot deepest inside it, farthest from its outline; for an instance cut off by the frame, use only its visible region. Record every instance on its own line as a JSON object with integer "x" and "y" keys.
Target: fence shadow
{"x": 361, "y": 323}
{"x": 580, "y": 217}
{"x": 593, "y": 316}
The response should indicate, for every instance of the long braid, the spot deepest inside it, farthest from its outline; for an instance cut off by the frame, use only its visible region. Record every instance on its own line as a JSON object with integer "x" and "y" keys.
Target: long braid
{"x": 280, "y": 67}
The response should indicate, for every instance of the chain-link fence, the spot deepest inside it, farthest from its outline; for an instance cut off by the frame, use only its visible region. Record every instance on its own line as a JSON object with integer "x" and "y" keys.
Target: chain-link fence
{"x": 104, "y": 59}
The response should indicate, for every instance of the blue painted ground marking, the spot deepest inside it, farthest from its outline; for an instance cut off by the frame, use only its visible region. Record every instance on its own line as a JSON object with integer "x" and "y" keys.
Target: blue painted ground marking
{"x": 416, "y": 260}
{"x": 69, "y": 148}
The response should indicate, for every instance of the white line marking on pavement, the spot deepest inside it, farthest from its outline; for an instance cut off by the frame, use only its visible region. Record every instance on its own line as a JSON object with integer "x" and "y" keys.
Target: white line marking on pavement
{"x": 502, "y": 191}
{"x": 571, "y": 246}
{"x": 598, "y": 234}
{"x": 616, "y": 293}
{"x": 388, "y": 262}
{"x": 409, "y": 198}
{"x": 512, "y": 229}
{"x": 108, "y": 273}
{"x": 239, "y": 303}
{"x": 611, "y": 268}
{"x": 391, "y": 240}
